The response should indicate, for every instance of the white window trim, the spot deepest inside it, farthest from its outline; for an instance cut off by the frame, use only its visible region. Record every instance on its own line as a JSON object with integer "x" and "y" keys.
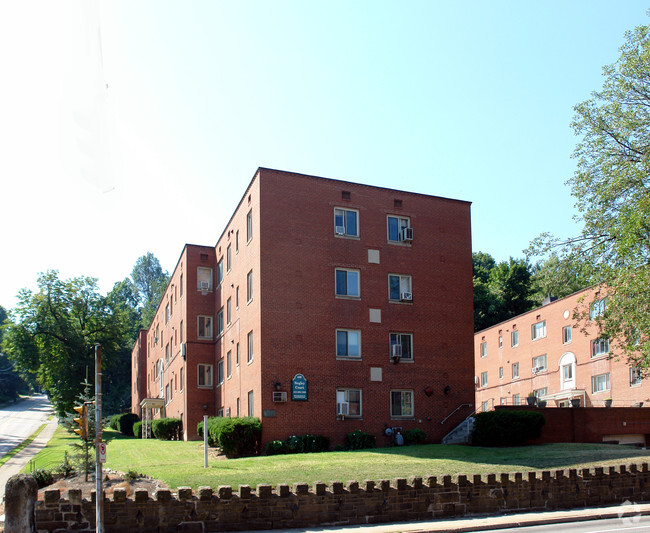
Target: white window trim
{"x": 608, "y": 383}
{"x": 544, "y": 367}
{"x": 514, "y": 334}
{"x": 532, "y": 331}
{"x": 198, "y": 279}
{"x": 348, "y": 296}
{"x": 198, "y": 376}
{"x": 346, "y": 391}
{"x": 198, "y": 327}
{"x": 410, "y": 286}
{"x": 406, "y": 359}
{"x": 484, "y": 382}
{"x": 346, "y": 235}
{"x": 336, "y": 344}
{"x": 482, "y": 349}
{"x": 402, "y": 417}
{"x": 593, "y": 342}
{"x": 398, "y": 241}
{"x": 639, "y": 381}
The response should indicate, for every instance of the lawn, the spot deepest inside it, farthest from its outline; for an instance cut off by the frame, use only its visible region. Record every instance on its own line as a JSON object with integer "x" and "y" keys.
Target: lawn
{"x": 181, "y": 463}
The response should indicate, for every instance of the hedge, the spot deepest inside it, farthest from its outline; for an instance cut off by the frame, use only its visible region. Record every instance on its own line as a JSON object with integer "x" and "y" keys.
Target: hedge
{"x": 237, "y": 437}
{"x": 167, "y": 428}
{"x": 506, "y": 428}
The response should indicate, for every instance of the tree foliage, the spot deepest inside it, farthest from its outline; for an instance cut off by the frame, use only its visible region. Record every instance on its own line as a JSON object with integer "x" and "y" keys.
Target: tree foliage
{"x": 610, "y": 186}
{"x": 150, "y": 282}
{"x": 55, "y": 330}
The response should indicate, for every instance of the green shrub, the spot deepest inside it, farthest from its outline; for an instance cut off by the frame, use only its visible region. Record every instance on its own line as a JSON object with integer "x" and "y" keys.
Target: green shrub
{"x": 112, "y": 421}
{"x": 167, "y": 428}
{"x": 359, "y": 440}
{"x": 276, "y": 447}
{"x": 125, "y": 423}
{"x": 137, "y": 429}
{"x": 43, "y": 477}
{"x": 506, "y": 428}
{"x": 414, "y": 436}
{"x": 239, "y": 437}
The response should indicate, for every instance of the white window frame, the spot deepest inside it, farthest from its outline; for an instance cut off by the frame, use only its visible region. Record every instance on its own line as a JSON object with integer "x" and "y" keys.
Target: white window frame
{"x": 540, "y": 392}
{"x": 220, "y": 272}
{"x": 599, "y": 347}
{"x": 344, "y": 222}
{"x": 251, "y": 403}
{"x": 348, "y": 272}
{"x": 207, "y": 327}
{"x": 343, "y": 396}
{"x": 220, "y": 324}
{"x": 500, "y": 372}
{"x": 410, "y": 405}
{"x": 635, "y": 376}
{"x": 249, "y": 287}
{"x": 249, "y": 226}
{"x": 600, "y": 383}
{"x": 250, "y": 347}
{"x": 347, "y": 344}
{"x": 566, "y": 335}
{"x": 229, "y": 258}
{"x": 500, "y": 341}
{"x": 516, "y": 399}
{"x": 229, "y": 364}
{"x": 597, "y": 308}
{"x": 405, "y": 285}
{"x": 204, "y": 375}
{"x": 484, "y": 378}
{"x": 514, "y": 338}
{"x": 398, "y": 338}
{"x": 203, "y": 274}
{"x": 483, "y": 349}
{"x": 229, "y": 311}
{"x": 515, "y": 370}
{"x": 538, "y": 330}
{"x": 402, "y": 222}
{"x": 541, "y": 362}
{"x": 220, "y": 373}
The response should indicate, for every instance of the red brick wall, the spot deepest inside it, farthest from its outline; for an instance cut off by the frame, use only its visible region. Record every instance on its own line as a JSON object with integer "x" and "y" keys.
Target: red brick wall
{"x": 139, "y": 372}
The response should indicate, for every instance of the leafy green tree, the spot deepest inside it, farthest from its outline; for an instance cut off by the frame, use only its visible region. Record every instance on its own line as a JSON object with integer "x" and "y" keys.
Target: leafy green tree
{"x": 558, "y": 277}
{"x": 150, "y": 281}
{"x": 54, "y": 333}
{"x": 11, "y": 384}
{"x": 611, "y": 187}
{"x": 501, "y": 290}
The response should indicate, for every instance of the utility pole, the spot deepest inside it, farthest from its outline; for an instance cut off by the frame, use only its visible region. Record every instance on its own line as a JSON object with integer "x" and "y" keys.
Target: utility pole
{"x": 99, "y": 492}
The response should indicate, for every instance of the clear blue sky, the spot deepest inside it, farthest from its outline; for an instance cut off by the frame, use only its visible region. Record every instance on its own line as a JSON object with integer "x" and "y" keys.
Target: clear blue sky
{"x": 468, "y": 100}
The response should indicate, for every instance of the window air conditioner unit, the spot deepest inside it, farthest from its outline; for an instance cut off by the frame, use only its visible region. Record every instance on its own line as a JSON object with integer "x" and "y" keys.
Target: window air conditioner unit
{"x": 205, "y": 285}
{"x": 396, "y": 350}
{"x": 183, "y": 350}
{"x": 342, "y": 408}
{"x": 340, "y": 230}
{"x": 406, "y": 296}
{"x": 279, "y": 396}
{"x": 538, "y": 369}
{"x": 406, "y": 234}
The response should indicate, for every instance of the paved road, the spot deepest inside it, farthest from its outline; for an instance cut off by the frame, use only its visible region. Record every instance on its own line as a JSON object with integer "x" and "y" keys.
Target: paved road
{"x": 20, "y": 420}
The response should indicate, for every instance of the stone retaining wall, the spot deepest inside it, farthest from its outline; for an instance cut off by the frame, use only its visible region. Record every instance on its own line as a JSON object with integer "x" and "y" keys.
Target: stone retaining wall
{"x": 338, "y": 503}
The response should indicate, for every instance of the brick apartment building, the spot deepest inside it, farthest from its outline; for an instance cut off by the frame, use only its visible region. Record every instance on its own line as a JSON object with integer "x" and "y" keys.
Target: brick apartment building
{"x": 324, "y": 307}
{"x": 546, "y": 352}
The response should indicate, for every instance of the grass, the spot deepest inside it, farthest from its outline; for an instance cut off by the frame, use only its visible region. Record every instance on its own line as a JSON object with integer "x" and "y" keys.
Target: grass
{"x": 181, "y": 463}
{"x": 54, "y": 451}
{"x": 21, "y": 446}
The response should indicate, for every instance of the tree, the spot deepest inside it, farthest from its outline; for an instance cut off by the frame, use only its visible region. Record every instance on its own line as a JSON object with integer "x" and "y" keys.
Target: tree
{"x": 558, "y": 277}
{"x": 610, "y": 186}
{"x": 54, "y": 334}
{"x": 501, "y": 291}
{"x": 151, "y": 281}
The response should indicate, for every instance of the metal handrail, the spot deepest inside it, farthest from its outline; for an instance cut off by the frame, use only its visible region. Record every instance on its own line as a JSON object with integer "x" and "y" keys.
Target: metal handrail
{"x": 457, "y": 408}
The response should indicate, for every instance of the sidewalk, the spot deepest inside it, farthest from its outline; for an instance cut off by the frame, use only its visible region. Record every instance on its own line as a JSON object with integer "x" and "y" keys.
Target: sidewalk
{"x": 457, "y": 525}
{"x": 17, "y": 462}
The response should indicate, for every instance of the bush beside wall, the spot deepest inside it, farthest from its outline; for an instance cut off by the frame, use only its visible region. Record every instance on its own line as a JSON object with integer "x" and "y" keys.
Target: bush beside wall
{"x": 507, "y": 428}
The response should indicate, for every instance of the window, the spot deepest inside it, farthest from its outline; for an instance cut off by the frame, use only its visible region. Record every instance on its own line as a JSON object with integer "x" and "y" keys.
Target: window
{"x": 515, "y": 370}
{"x": 205, "y": 375}
{"x": 484, "y": 349}
{"x": 539, "y": 330}
{"x": 167, "y": 393}
{"x": 346, "y": 222}
{"x": 405, "y": 341}
{"x": 351, "y": 397}
{"x": 181, "y": 331}
{"x": 516, "y": 399}
{"x": 249, "y": 226}
{"x": 635, "y": 376}
{"x": 484, "y": 378}
{"x": 399, "y": 287}
{"x": 204, "y": 278}
{"x": 600, "y": 383}
{"x": 220, "y": 372}
{"x": 229, "y": 363}
{"x": 567, "y": 373}
{"x": 250, "y": 346}
{"x": 167, "y": 353}
{"x": 597, "y": 309}
{"x": 514, "y": 339}
{"x": 500, "y": 372}
{"x": 348, "y": 343}
{"x": 181, "y": 286}
{"x": 166, "y": 313}
{"x": 238, "y": 411}
{"x": 237, "y": 245}
{"x": 251, "y": 404}
{"x": 540, "y": 392}
{"x": 566, "y": 334}
{"x": 485, "y": 406}
{"x": 237, "y": 355}
{"x": 401, "y": 403}
{"x": 229, "y": 311}
{"x": 347, "y": 282}
{"x": 249, "y": 286}
{"x": 395, "y": 227}
{"x": 500, "y": 341}
{"x": 219, "y": 271}
{"x": 237, "y": 297}
{"x": 539, "y": 364}
{"x": 599, "y": 347}
{"x": 182, "y": 375}
{"x": 205, "y": 327}
{"x": 220, "y": 322}
{"x": 502, "y": 401}
{"x": 229, "y": 258}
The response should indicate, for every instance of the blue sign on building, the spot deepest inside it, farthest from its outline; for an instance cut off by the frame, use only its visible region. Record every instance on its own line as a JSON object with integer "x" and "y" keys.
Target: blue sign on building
{"x": 299, "y": 388}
